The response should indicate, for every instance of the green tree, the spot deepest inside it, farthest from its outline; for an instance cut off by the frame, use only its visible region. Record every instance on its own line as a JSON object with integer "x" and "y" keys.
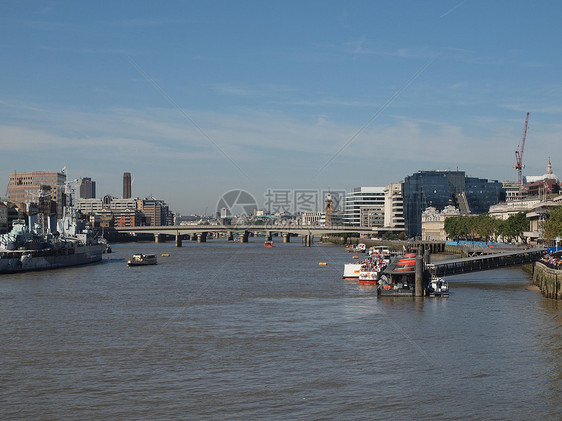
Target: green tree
{"x": 485, "y": 227}
{"x": 552, "y": 226}
{"x": 514, "y": 226}
{"x": 451, "y": 227}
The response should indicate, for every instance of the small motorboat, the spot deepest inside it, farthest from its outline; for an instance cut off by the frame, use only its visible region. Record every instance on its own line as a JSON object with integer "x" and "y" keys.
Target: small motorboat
{"x": 268, "y": 243}
{"x": 142, "y": 260}
{"x": 438, "y": 287}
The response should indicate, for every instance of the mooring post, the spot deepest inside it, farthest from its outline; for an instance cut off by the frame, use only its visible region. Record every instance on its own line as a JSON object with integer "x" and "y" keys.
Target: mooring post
{"x": 419, "y": 273}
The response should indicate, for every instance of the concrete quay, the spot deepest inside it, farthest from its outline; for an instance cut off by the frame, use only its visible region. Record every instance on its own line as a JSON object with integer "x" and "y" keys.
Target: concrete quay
{"x": 548, "y": 280}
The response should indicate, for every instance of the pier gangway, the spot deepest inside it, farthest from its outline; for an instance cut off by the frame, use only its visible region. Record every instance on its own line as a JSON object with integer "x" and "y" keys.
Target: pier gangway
{"x": 486, "y": 262}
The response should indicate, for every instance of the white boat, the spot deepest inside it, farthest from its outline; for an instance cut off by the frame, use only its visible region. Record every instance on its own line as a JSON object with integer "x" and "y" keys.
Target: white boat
{"x": 371, "y": 271}
{"x": 369, "y": 277}
{"x": 382, "y": 251}
{"x": 359, "y": 248}
{"x": 142, "y": 260}
{"x": 352, "y": 270}
{"x": 438, "y": 287}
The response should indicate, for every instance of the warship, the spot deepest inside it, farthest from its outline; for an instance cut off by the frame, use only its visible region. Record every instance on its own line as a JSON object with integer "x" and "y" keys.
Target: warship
{"x": 47, "y": 243}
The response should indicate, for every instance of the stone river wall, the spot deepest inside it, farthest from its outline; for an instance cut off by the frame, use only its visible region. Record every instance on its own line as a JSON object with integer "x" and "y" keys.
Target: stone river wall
{"x": 548, "y": 280}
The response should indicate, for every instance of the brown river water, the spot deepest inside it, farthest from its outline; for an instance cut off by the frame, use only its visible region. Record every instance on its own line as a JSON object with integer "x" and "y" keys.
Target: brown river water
{"x": 239, "y": 331}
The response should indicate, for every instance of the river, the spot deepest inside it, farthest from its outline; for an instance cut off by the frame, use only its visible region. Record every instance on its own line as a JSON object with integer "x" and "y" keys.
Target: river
{"x": 238, "y": 331}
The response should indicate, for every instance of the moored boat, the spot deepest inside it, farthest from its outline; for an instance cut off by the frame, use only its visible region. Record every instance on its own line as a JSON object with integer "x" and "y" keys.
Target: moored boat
{"x": 37, "y": 247}
{"x": 352, "y": 270}
{"x": 438, "y": 287}
{"x": 370, "y": 277}
{"x": 359, "y": 248}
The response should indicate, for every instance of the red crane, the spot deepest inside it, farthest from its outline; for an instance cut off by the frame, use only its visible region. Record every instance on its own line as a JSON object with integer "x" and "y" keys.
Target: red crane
{"x": 519, "y": 157}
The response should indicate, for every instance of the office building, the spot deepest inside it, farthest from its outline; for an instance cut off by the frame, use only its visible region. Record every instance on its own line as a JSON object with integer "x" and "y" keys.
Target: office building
{"x": 440, "y": 189}
{"x": 364, "y": 205}
{"x": 156, "y": 211}
{"x": 512, "y": 191}
{"x": 86, "y": 188}
{"x": 25, "y": 187}
{"x": 393, "y": 207}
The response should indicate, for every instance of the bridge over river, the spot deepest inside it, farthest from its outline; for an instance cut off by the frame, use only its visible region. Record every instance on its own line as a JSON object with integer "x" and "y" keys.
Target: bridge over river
{"x": 199, "y": 232}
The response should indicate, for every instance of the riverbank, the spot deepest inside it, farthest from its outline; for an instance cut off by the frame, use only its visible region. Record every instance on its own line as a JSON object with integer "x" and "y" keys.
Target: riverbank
{"x": 547, "y": 280}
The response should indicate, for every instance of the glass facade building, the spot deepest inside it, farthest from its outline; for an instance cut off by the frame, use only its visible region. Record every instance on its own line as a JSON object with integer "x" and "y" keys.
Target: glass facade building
{"x": 482, "y": 193}
{"x": 439, "y": 189}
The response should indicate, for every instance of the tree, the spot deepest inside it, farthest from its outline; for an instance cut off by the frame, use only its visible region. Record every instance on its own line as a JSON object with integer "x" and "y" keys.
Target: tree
{"x": 513, "y": 227}
{"x": 552, "y": 226}
{"x": 485, "y": 226}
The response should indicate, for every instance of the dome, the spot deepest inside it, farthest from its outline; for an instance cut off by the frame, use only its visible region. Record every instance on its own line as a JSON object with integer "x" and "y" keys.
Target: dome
{"x": 548, "y": 176}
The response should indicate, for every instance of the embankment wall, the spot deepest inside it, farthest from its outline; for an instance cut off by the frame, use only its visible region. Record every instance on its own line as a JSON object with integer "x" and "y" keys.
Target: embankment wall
{"x": 548, "y": 280}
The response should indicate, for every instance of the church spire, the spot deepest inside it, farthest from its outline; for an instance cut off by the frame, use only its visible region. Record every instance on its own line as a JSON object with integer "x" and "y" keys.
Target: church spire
{"x": 549, "y": 167}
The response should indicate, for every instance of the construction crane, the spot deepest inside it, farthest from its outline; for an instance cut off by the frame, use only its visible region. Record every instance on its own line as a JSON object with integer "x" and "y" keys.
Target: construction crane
{"x": 519, "y": 157}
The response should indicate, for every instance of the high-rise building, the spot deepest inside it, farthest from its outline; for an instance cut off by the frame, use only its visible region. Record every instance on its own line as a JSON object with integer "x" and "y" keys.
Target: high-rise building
{"x": 25, "y": 188}
{"x": 86, "y": 188}
{"x": 439, "y": 189}
{"x": 126, "y": 185}
{"x": 393, "y": 207}
{"x": 364, "y": 204}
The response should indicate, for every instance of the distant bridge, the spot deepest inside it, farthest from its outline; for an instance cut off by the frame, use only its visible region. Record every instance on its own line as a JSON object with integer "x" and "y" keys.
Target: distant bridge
{"x": 199, "y": 232}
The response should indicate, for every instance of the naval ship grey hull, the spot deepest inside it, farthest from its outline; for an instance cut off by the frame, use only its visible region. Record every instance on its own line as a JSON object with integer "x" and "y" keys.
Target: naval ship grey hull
{"x": 30, "y": 260}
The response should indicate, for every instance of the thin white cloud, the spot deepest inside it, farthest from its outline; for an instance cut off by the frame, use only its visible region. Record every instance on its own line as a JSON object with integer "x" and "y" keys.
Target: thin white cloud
{"x": 453, "y": 9}
{"x": 146, "y": 22}
{"x": 271, "y": 146}
{"x": 363, "y": 46}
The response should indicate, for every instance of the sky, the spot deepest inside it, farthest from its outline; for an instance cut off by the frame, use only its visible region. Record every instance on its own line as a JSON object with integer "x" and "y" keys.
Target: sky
{"x": 197, "y": 98}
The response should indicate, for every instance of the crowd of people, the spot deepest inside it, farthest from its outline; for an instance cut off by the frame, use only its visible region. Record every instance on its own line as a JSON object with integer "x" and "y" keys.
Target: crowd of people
{"x": 553, "y": 261}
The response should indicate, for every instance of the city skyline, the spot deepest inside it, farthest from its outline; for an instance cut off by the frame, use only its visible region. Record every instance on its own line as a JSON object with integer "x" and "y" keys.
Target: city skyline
{"x": 195, "y": 99}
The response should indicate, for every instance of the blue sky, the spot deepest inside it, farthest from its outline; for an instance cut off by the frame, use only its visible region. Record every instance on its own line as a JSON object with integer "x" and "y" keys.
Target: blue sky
{"x": 197, "y": 98}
